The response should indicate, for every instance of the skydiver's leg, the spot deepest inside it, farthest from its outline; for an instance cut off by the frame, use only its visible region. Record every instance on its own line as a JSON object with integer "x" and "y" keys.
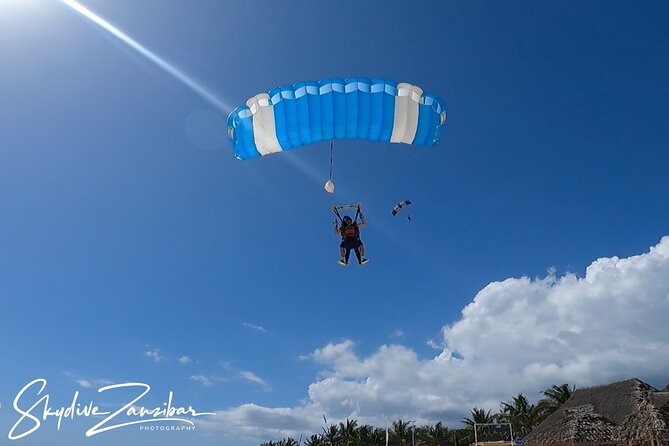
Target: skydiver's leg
{"x": 348, "y": 253}
{"x": 342, "y": 252}
{"x": 361, "y": 254}
{"x": 358, "y": 251}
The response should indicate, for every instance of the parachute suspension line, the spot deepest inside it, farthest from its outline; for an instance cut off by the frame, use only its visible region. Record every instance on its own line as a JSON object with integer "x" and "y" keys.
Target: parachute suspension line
{"x": 329, "y": 185}
{"x": 331, "y": 150}
{"x": 355, "y": 206}
{"x": 336, "y": 212}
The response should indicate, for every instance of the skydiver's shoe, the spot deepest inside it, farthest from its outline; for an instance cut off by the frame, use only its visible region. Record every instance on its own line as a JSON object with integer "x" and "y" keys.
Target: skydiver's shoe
{"x": 342, "y": 262}
{"x": 364, "y": 260}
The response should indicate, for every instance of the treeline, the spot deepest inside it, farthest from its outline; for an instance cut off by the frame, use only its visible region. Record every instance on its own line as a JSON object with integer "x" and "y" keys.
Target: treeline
{"x": 519, "y": 412}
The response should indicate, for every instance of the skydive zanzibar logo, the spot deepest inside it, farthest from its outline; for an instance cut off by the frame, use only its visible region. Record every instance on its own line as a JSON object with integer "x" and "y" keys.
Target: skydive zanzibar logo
{"x": 33, "y": 406}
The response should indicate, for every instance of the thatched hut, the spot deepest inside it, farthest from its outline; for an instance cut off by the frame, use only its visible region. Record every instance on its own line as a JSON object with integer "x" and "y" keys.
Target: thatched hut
{"x": 624, "y": 413}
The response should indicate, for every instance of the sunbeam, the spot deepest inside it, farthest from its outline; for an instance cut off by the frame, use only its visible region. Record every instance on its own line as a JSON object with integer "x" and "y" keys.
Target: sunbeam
{"x": 132, "y": 43}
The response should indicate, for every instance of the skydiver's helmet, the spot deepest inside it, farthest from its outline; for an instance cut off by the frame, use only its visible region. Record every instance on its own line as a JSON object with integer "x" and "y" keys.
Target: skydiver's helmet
{"x": 347, "y": 220}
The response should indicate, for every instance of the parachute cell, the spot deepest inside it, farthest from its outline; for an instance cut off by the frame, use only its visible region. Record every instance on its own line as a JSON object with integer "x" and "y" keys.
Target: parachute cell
{"x": 356, "y": 108}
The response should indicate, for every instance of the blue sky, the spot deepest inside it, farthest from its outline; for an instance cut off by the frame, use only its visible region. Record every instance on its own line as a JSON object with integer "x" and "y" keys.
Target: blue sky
{"x": 131, "y": 238}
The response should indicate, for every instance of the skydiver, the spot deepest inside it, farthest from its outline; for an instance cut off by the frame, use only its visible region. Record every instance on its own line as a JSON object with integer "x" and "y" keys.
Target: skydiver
{"x": 350, "y": 239}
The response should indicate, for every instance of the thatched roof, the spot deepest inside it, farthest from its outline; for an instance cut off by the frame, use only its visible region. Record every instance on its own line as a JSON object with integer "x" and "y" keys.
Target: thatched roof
{"x": 579, "y": 424}
{"x": 660, "y": 399}
{"x": 629, "y": 410}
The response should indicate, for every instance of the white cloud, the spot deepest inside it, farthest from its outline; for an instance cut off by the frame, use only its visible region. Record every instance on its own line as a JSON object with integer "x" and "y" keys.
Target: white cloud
{"x": 436, "y": 345}
{"x": 253, "y": 378}
{"x": 254, "y": 327}
{"x": 185, "y": 360}
{"x": 89, "y": 383}
{"x": 517, "y": 335}
{"x": 250, "y": 424}
{"x": 154, "y": 355}
{"x": 397, "y": 334}
{"x": 83, "y": 383}
{"x": 227, "y": 365}
{"x": 207, "y": 380}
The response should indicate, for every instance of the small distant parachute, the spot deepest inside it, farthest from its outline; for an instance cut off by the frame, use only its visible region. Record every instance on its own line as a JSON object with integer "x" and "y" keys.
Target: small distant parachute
{"x": 291, "y": 116}
{"x": 398, "y": 207}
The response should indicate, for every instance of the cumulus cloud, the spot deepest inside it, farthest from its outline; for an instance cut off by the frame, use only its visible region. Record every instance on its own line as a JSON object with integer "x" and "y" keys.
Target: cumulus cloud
{"x": 154, "y": 355}
{"x": 250, "y": 424}
{"x": 606, "y": 325}
{"x": 435, "y": 344}
{"x": 517, "y": 335}
{"x": 185, "y": 360}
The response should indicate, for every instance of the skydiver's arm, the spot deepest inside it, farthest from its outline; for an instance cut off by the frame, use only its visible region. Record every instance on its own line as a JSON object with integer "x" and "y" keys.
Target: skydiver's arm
{"x": 336, "y": 228}
{"x": 363, "y": 222}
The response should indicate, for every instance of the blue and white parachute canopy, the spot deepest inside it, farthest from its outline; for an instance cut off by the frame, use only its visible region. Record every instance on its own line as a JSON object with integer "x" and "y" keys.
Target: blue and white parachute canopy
{"x": 399, "y": 206}
{"x": 356, "y": 108}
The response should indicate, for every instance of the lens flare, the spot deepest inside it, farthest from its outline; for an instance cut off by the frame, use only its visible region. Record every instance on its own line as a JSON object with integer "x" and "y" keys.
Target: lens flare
{"x": 132, "y": 43}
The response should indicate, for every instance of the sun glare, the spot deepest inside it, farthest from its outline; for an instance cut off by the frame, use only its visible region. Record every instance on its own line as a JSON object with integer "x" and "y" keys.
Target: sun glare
{"x": 10, "y": 3}
{"x": 14, "y": 7}
{"x": 171, "y": 69}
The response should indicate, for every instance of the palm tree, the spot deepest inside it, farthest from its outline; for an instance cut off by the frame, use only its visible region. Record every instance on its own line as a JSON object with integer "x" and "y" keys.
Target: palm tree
{"x": 522, "y": 415}
{"x": 556, "y": 396}
{"x": 478, "y": 416}
{"x": 377, "y": 437}
{"x": 314, "y": 440}
{"x": 364, "y": 435}
{"x": 331, "y": 435}
{"x": 401, "y": 432}
{"x": 347, "y": 432}
{"x": 433, "y": 435}
{"x": 461, "y": 436}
